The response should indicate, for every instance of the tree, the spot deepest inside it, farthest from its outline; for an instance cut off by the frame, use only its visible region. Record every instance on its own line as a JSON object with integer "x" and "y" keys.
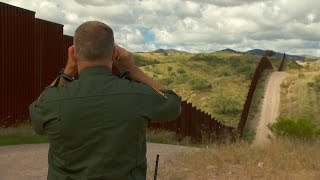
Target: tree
{"x": 269, "y": 53}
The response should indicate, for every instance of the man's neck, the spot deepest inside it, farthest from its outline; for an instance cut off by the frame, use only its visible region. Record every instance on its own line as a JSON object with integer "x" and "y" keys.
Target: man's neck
{"x": 84, "y": 64}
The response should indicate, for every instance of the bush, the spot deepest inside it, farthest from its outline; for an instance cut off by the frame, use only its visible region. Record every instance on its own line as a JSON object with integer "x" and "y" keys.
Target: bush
{"x": 147, "y": 68}
{"x": 181, "y": 71}
{"x": 311, "y": 84}
{"x": 317, "y": 78}
{"x": 295, "y": 128}
{"x": 182, "y": 79}
{"x": 199, "y": 84}
{"x": 156, "y": 70}
{"x": 316, "y": 85}
{"x": 173, "y": 74}
{"x": 169, "y": 68}
{"x": 285, "y": 84}
{"x": 225, "y": 105}
{"x": 166, "y": 81}
{"x": 301, "y": 75}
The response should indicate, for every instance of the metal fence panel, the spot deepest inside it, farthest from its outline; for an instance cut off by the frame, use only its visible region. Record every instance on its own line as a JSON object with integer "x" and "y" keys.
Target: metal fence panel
{"x": 67, "y": 42}
{"x": 17, "y": 63}
{"x": 49, "y": 52}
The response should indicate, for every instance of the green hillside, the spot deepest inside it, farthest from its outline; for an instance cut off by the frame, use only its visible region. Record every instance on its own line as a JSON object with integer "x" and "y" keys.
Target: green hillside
{"x": 216, "y": 83}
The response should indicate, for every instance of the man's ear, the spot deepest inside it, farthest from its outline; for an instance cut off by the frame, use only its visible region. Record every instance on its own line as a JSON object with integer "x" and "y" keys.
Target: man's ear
{"x": 114, "y": 53}
{"x": 73, "y": 54}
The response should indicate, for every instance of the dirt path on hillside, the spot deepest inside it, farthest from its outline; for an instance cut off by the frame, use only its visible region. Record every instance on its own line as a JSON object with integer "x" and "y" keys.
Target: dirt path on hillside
{"x": 270, "y": 108}
{"x": 29, "y": 161}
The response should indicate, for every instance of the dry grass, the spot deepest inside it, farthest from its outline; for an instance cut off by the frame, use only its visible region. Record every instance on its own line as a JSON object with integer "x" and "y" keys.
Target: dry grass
{"x": 282, "y": 159}
{"x": 298, "y": 100}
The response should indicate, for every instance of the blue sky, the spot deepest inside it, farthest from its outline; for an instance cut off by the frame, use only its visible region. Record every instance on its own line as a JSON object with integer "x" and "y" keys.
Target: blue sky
{"x": 148, "y": 36}
{"x": 291, "y": 26}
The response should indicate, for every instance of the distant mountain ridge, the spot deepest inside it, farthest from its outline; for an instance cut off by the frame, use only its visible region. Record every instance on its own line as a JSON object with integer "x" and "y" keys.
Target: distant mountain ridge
{"x": 167, "y": 51}
{"x": 255, "y": 52}
{"x": 260, "y": 52}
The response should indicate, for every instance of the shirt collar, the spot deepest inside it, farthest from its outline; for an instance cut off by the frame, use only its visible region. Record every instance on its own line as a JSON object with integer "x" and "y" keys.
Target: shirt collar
{"x": 98, "y": 70}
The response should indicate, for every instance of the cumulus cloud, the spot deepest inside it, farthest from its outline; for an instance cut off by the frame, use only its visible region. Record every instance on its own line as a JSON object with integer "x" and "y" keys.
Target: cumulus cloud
{"x": 291, "y": 26}
{"x": 228, "y": 3}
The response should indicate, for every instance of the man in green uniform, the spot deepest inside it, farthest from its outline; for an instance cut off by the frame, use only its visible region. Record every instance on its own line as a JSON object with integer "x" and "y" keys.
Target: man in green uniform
{"x": 96, "y": 125}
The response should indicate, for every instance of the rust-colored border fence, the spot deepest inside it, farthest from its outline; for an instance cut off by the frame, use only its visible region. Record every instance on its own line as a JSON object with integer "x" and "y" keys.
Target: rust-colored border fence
{"x": 263, "y": 65}
{"x": 32, "y": 51}
{"x": 196, "y": 124}
{"x": 282, "y": 63}
{"x": 17, "y": 62}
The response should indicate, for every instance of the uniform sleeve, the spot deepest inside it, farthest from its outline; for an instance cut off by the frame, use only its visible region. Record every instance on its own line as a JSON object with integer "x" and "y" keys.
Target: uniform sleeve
{"x": 37, "y": 114}
{"x": 41, "y": 113}
{"x": 162, "y": 106}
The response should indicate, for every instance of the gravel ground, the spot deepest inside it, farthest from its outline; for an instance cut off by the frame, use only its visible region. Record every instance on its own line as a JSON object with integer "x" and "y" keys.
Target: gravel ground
{"x": 29, "y": 161}
{"x": 270, "y": 108}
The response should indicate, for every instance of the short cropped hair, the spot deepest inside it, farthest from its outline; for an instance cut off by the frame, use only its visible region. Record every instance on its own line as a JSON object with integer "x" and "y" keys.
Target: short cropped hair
{"x": 93, "y": 40}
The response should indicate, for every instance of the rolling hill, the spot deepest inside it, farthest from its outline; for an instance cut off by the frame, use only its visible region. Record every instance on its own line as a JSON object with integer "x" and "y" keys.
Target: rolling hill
{"x": 216, "y": 83}
{"x": 254, "y": 52}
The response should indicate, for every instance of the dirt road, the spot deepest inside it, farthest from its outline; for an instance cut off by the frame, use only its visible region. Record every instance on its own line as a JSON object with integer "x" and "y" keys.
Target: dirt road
{"x": 270, "y": 108}
{"x": 29, "y": 161}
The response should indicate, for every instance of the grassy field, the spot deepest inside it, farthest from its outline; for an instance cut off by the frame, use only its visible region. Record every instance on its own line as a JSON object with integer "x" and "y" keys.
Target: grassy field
{"x": 300, "y": 93}
{"x": 282, "y": 159}
{"x": 216, "y": 83}
{"x": 22, "y": 134}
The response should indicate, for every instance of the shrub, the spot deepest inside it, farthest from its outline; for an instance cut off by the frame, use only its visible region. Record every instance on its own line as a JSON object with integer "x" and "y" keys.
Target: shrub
{"x": 166, "y": 81}
{"x": 225, "y": 105}
{"x": 301, "y": 75}
{"x": 317, "y": 78}
{"x": 156, "y": 70}
{"x": 182, "y": 79}
{"x": 317, "y": 83}
{"x": 295, "y": 128}
{"x": 311, "y": 84}
{"x": 147, "y": 68}
{"x": 199, "y": 84}
{"x": 169, "y": 68}
{"x": 285, "y": 84}
{"x": 181, "y": 71}
{"x": 173, "y": 74}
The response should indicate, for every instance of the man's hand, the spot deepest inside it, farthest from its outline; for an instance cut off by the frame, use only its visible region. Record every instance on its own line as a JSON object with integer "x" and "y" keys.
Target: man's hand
{"x": 125, "y": 60}
{"x": 71, "y": 67}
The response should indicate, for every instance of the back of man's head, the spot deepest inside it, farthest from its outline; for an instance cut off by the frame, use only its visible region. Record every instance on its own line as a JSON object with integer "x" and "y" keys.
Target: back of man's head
{"x": 93, "y": 41}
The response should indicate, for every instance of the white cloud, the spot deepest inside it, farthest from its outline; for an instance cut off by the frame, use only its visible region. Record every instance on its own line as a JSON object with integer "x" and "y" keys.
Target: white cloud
{"x": 194, "y": 25}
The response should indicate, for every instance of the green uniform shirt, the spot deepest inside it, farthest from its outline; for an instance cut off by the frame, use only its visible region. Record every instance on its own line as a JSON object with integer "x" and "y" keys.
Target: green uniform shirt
{"x": 96, "y": 125}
